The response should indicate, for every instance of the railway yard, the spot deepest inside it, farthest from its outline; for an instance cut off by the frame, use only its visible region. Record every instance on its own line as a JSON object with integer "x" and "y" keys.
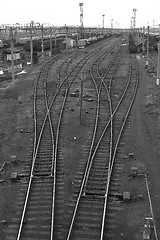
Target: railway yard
{"x": 80, "y": 146}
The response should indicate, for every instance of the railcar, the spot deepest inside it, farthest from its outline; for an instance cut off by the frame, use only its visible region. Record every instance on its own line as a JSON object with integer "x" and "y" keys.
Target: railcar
{"x": 131, "y": 45}
{"x": 37, "y": 44}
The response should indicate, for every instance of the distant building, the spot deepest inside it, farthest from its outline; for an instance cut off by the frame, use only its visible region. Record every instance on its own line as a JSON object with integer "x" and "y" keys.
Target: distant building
{"x": 7, "y": 57}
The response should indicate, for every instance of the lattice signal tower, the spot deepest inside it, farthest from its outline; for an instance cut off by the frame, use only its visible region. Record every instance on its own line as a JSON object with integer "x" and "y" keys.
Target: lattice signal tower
{"x": 81, "y": 14}
{"x": 134, "y": 18}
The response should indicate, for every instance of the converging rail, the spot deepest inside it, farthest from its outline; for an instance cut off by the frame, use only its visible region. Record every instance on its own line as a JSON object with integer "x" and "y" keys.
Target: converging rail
{"x": 92, "y": 205}
{"x": 41, "y": 201}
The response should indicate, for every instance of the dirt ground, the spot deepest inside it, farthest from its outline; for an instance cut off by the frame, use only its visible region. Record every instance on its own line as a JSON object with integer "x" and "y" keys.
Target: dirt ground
{"x": 146, "y": 133}
{"x": 142, "y": 140}
{"x": 16, "y": 101}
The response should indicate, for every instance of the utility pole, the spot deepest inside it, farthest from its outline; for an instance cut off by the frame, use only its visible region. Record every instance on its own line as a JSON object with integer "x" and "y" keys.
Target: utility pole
{"x": 147, "y": 58}
{"x": 143, "y": 41}
{"x": 50, "y": 30}
{"x": 153, "y": 26}
{"x": 55, "y": 40}
{"x": 31, "y": 43}
{"x": 42, "y": 43}
{"x": 103, "y": 23}
{"x": 81, "y": 94}
{"x": 66, "y": 36}
{"x": 111, "y": 25}
{"x": 158, "y": 63}
{"x": 12, "y": 53}
{"x": 77, "y": 36}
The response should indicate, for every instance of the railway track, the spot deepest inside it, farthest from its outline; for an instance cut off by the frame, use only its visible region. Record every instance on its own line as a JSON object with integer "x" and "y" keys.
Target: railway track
{"x": 90, "y": 208}
{"x": 42, "y": 194}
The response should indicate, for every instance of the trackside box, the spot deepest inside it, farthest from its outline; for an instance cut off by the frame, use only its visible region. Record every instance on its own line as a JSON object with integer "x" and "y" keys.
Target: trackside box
{"x": 82, "y": 43}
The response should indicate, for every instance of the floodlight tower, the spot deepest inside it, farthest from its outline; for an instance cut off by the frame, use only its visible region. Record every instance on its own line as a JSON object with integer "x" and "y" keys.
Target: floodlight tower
{"x": 81, "y": 14}
{"x": 134, "y": 18}
{"x": 131, "y": 24}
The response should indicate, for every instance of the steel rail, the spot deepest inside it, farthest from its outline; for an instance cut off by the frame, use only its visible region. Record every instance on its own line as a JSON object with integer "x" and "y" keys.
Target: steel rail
{"x": 83, "y": 183}
{"x": 53, "y": 173}
{"x": 60, "y": 118}
{"x": 54, "y": 157}
{"x": 98, "y": 93}
{"x": 37, "y": 143}
{"x": 110, "y": 163}
{"x": 61, "y": 113}
{"x": 96, "y": 151}
{"x": 34, "y": 107}
{"x": 98, "y": 96}
{"x": 31, "y": 172}
{"x": 110, "y": 112}
{"x": 115, "y": 151}
{"x": 36, "y": 147}
{"x": 68, "y": 75}
{"x": 50, "y": 62}
{"x": 62, "y": 109}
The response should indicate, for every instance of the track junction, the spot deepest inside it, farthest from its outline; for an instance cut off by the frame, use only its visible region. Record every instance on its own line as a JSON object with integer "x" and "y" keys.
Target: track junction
{"x": 90, "y": 212}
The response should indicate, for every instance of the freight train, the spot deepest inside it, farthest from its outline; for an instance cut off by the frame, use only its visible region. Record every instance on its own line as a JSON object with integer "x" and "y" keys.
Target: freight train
{"x": 61, "y": 41}
{"x": 37, "y": 44}
{"x": 131, "y": 45}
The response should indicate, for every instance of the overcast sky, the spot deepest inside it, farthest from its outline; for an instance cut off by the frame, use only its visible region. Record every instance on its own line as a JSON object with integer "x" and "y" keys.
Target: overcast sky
{"x": 60, "y": 12}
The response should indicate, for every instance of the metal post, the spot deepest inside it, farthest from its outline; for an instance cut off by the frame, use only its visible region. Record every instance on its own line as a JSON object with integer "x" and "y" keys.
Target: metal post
{"x": 12, "y": 54}
{"x": 50, "y": 41}
{"x": 66, "y": 37}
{"x": 112, "y": 26}
{"x": 77, "y": 36}
{"x": 42, "y": 43}
{"x": 81, "y": 95}
{"x": 147, "y": 58}
{"x": 143, "y": 41}
{"x": 158, "y": 63}
{"x": 103, "y": 24}
{"x": 55, "y": 40}
{"x": 31, "y": 43}
{"x": 111, "y": 23}
{"x": 153, "y": 26}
